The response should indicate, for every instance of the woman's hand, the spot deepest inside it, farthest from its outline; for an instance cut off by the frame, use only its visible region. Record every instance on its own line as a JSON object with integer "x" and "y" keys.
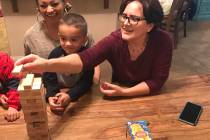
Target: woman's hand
{"x": 111, "y": 89}
{"x": 32, "y": 63}
{"x": 12, "y": 115}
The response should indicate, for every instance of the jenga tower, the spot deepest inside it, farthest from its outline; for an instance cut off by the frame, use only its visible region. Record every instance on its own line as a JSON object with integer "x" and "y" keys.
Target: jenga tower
{"x": 34, "y": 107}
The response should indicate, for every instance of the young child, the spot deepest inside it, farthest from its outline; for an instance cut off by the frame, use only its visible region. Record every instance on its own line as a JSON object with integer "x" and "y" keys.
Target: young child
{"x": 73, "y": 35}
{"x": 9, "y": 97}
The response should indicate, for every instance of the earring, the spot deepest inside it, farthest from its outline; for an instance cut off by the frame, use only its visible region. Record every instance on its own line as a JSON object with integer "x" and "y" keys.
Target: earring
{"x": 38, "y": 15}
{"x": 67, "y": 8}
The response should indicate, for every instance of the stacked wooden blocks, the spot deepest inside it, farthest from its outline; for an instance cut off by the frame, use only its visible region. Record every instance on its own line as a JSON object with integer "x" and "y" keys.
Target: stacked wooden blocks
{"x": 33, "y": 106}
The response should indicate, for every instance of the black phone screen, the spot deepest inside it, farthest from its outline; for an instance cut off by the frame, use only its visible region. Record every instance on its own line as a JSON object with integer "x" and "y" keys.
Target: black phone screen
{"x": 191, "y": 113}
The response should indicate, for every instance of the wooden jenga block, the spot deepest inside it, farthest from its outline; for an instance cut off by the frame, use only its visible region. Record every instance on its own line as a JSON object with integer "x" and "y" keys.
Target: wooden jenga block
{"x": 17, "y": 70}
{"x": 37, "y": 129}
{"x": 28, "y": 81}
{"x": 40, "y": 137}
{"x": 37, "y": 126}
{"x": 31, "y": 97}
{"x": 20, "y": 86}
{"x": 31, "y": 101}
{"x": 29, "y": 105}
{"x": 39, "y": 110}
{"x": 33, "y": 107}
{"x": 37, "y": 84}
{"x": 35, "y": 116}
{"x": 30, "y": 93}
{"x": 37, "y": 133}
{"x": 35, "y": 136}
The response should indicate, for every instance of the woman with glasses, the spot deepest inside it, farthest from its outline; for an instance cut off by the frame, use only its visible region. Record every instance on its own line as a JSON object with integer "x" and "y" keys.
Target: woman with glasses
{"x": 139, "y": 52}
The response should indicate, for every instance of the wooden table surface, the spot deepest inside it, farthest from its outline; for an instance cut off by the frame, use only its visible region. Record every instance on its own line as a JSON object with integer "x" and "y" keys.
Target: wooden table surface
{"x": 96, "y": 118}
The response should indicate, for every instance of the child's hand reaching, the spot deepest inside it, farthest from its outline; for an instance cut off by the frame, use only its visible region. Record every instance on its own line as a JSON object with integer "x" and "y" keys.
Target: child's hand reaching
{"x": 3, "y": 101}
{"x": 12, "y": 115}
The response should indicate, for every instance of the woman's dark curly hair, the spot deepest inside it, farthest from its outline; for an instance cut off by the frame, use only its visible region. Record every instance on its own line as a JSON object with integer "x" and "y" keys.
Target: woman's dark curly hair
{"x": 152, "y": 10}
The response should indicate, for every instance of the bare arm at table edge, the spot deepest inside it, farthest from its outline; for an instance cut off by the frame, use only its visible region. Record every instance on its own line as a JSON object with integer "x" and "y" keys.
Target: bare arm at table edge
{"x": 35, "y": 64}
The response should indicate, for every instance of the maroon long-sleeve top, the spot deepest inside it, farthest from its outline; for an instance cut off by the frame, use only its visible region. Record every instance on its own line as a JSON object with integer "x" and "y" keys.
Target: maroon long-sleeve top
{"x": 152, "y": 66}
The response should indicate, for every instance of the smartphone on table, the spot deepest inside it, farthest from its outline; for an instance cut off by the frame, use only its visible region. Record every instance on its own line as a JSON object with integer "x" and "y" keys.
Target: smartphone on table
{"x": 191, "y": 113}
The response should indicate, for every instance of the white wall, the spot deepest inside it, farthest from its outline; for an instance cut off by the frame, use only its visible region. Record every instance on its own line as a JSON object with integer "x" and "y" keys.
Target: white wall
{"x": 101, "y": 21}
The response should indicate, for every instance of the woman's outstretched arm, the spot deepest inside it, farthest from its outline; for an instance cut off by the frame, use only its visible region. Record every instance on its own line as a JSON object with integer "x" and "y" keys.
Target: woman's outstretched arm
{"x": 35, "y": 64}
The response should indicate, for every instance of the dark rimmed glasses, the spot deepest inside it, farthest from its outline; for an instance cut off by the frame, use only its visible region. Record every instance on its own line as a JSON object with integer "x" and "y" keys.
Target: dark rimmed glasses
{"x": 132, "y": 19}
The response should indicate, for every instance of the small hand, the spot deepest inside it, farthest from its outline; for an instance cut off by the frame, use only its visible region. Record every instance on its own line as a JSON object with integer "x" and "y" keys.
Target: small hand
{"x": 3, "y": 101}
{"x": 12, "y": 115}
{"x": 63, "y": 99}
{"x": 32, "y": 63}
{"x": 111, "y": 89}
{"x": 54, "y": 105}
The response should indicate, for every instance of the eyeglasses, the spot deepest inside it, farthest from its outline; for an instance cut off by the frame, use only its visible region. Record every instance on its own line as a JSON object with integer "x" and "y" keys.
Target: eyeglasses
{"x": 133, "y": 20}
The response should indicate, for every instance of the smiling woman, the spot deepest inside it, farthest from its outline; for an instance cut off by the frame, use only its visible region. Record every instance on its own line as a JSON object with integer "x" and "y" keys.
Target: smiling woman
{"x": 42, "y": 37}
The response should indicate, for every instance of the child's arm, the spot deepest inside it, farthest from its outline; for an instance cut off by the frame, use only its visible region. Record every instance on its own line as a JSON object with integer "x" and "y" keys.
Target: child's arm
{"x": 50, "y": 78}
{"x": 51, "y": 84}
{"x": 13, "y": 99}
{"x": 82, "y": 86}
{"x": 12, "y": 94}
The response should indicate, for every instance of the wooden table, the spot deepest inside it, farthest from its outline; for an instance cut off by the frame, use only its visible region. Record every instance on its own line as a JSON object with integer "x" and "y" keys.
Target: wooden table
{"x": 95, "y": 118}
